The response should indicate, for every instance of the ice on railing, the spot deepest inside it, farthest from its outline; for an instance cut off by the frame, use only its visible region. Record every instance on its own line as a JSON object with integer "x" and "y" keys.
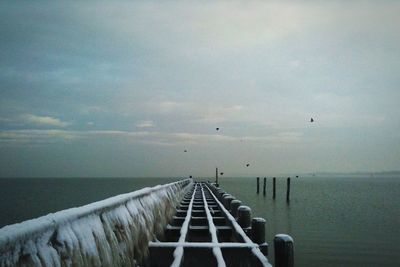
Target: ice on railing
{"x": 112, "y": 232}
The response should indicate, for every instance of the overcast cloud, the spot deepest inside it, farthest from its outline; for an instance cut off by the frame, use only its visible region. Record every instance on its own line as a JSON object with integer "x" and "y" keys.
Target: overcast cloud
{"x": 123, "y": 88}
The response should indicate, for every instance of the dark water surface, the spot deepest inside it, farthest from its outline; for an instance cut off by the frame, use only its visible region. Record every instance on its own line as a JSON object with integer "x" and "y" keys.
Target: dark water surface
{"x": 335, "y": 221}
{"x": 347, "y": 221}
{"x": 27, "y": 198}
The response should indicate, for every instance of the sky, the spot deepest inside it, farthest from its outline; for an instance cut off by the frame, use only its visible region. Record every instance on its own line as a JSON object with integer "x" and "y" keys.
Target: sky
{"x": 107, "y": 89}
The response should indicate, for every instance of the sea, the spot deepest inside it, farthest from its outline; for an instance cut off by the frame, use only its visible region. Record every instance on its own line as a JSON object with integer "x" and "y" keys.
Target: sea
{"x": 334, "y": 220}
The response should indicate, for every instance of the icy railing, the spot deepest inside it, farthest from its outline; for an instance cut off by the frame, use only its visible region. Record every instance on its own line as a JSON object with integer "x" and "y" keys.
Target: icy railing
{"x": 111, "y": 232}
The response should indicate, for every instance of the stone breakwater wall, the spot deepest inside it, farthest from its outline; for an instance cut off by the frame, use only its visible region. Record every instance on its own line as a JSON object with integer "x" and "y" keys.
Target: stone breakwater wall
{"x": 111, "y": 232}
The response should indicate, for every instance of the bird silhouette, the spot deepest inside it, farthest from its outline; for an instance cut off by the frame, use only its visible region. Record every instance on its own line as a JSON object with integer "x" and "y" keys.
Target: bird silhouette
{"x": 312, "y": 120}
{"x": 217, "y": 128}
{"x": 221, "y": 173}
{"x": 247, "y": 165}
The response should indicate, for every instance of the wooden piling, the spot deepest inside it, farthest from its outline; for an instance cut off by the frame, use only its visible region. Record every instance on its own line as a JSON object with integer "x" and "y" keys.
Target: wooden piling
{"x": 288, "y": 189}
{"x": 258, "y": 185}
{"x": 284, "y": 251}
{"x": 244, "y": 216}
{"x": 258, "y": 230}
{"x": 265, "y": 186}
{"x": 274, "y": 187}
{"x": 235, "y": 204}
{"x": 227, "y": 201}
{"x": 216, "y": 177}
{"x": 258, "y": 234}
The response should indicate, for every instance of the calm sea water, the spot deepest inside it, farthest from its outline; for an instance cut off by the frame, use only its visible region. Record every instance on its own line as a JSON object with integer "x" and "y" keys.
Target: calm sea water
{"x": 335, "y": 221}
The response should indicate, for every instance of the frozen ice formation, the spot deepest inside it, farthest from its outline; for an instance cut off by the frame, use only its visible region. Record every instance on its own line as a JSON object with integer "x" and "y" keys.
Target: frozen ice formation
{"x": 112, "y": 232}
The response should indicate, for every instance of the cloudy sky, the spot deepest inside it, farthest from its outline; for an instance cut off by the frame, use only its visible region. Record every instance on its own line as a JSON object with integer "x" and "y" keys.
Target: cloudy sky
{"x": 122, "y": 89}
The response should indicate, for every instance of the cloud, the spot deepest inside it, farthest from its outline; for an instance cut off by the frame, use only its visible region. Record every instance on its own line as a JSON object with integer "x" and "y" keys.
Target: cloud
{"x": 277, "y": 138}
{"x": 145, "y": 124}
{"x": 220, "y": 114}
{"x": 195, "y": 112}
{"x": 5, "y": 119}
{"x": 34, "y": 136}
{"x": 294, "y": 64}
{"x": 44, "y": 120}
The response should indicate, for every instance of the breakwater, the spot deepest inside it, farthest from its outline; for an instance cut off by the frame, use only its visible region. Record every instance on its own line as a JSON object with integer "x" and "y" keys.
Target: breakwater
{"x": 112, "y": 232}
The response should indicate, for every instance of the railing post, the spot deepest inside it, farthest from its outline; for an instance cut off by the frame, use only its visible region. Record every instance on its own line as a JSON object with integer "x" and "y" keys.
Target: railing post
{"x": 284, "y": 251}
{"x": 274, "y": 187}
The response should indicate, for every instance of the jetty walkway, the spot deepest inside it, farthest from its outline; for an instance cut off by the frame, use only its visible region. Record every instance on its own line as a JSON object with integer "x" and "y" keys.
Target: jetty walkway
{"x": 212, "y": 228}
{"x": 180, "y": 224}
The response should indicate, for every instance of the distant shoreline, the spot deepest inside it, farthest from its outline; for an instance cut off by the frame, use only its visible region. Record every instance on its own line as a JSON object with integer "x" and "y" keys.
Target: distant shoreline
{"x": 384, "y": 173}
{"x": 309, "y": 174}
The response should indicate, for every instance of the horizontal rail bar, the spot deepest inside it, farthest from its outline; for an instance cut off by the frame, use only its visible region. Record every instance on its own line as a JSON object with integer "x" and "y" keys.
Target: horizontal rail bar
{"x": 203, "y": 245}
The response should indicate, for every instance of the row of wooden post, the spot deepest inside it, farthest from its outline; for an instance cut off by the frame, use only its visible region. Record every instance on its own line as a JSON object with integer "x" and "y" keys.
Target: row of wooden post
{"x": 283, "y": 244}
{"x": 273, "y": 187}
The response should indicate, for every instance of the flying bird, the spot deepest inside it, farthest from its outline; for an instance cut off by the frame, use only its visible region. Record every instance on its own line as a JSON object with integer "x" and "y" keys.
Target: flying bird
{"x": 221, "y": 173}
{"x": 247, "y": 165}
{"x": 312, "y": 120}
{"x": 217, "y": 128}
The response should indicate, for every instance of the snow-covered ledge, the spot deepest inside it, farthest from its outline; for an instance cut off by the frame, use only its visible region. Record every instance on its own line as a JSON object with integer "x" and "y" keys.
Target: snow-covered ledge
{"x": 111, "y": 232}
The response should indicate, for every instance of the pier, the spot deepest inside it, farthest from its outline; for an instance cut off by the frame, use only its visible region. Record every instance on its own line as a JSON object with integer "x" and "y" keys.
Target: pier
{"x": 180, "y": 224}
{"x": 212, "y": 228}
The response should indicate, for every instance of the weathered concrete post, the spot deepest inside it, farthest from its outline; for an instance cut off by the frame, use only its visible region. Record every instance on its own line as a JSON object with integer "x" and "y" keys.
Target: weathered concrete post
{"x": 258, "y": 185}
{"x": 288, "y": 189}
{"x": 274, "y": 187}
{"x": 265, "y": 186}
{"x": 284, "y": 251}
{"x": 258, "y": 234}
{"x": 244, "y": 216}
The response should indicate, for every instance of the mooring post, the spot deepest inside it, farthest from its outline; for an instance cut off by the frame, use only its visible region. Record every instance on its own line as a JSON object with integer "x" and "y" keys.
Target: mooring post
{"x": 227, "y": 201}
{"x": 244, "y": 216}
{"x": 235, "y": 204}
{"x": 258, "y": 185}
{"x": 284, "y": 251}
{"x": 258, "y": 230}
{"x": 258, "y": 234}
{"x": 288, "y": 189}
{"x": 265, "y": 186}
{"x": 274, "y": 187}
{"x": 216, "y": 177}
